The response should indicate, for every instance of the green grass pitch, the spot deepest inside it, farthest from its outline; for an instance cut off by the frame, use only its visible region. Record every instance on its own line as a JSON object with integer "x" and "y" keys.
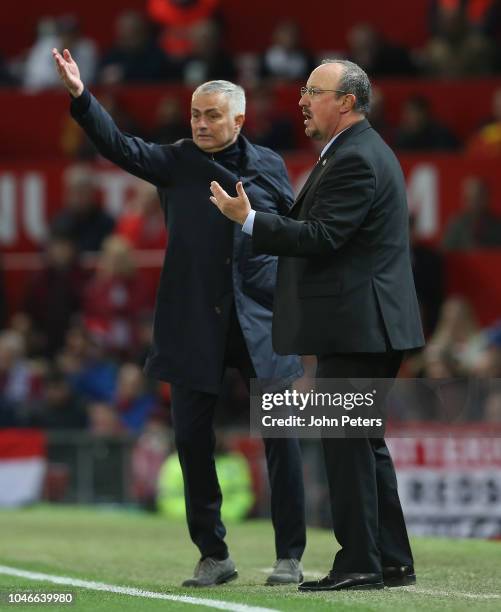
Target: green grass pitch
{"x": 149, "y": 552}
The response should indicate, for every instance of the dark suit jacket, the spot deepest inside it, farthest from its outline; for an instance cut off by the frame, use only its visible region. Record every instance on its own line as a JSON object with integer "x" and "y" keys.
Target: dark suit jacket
{"x": 344, "y": 280}
{"x": 209, "y": 264}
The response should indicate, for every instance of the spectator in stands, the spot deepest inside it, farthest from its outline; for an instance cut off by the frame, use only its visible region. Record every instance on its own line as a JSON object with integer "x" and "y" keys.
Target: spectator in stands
{"x": 439, "y": 362}
{"x": 6, "y": 78}
{"x": 38, "y": 69}
{"x": 134, "y": 57}
{"x": 458, "y": 334}
{"x": 171, "y": 123}
{"x": 487, "y": 141}
{"x": 70, "y": 37}
{"x": 265, "y": 125}
{"x": 82, "y": 218}
{"x": 379, "y": 58}
{"x": 488, "y": 367}
{"x": 483, "y": 15}
{"x": 84, "y": 362}
{"x": 419, "y": 131}
{"x": 208, "y": 59}
{"x": 377, "y": 116}
{"x": 33, "y": 64}
{"x": 20, "y": 382}
{"x": 59, "y": 407}
{"x": 476, "y": 226}
{"x": 103, "y": 419}
{"x": 178, "y": 17}
{"x": 286, "y": 59}
{"x": 454, "y": 344}
{"x": 134, "y": 403}
{"x": 148, "y": 456}
{"x": 487, "y": 364}
{"x": 53, "y": 294}
{"x": 428, "y": 269}
{"x": 492, "y": 408}
{"x": 457, "y": 49}
{"x": 23, "y": 325}
{"x": 143, "y": 225}
{"x": 3, "y": 298}
{"x": 116, "y": 297}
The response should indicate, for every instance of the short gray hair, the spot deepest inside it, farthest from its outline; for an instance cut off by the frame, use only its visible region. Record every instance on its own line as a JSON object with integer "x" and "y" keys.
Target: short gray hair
{"x": 234, "y": 93}
{"x": 354, "y": 80}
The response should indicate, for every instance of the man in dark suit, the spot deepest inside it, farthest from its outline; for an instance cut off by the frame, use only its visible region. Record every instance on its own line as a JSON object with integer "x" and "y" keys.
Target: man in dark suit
{"x": 214, "y": 304}
{"x": 345, "y": 292}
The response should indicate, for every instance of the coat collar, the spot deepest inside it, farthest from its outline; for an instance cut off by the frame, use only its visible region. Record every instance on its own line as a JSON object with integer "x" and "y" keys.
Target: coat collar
{"x": 251, "y": 153}
{"x": 352, "y": 131}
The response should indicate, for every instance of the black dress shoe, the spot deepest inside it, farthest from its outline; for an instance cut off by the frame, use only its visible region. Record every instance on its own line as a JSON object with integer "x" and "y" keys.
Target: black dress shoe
{"x": 337, "y": 581}
{"x": 399, "y": 576}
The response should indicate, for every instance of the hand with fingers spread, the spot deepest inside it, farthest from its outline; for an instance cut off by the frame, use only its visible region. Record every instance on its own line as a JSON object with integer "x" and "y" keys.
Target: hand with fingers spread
{"x": 236, "y": 209}
{"x": 69, "y": 72}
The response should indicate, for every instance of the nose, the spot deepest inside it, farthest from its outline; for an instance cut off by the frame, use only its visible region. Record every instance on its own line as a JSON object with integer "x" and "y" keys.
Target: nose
{"x": 303, "y": 101}
{"x": 200, "y": 123}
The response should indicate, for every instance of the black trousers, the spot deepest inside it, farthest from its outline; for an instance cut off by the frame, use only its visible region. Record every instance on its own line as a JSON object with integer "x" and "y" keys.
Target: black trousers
{"x": 366, "y": 513}
{"x": 192, "y": 414}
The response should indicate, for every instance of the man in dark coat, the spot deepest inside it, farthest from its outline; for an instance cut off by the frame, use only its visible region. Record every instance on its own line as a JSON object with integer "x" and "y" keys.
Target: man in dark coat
{"x": 214, "y": 303}
{"x": 345, "y": 292}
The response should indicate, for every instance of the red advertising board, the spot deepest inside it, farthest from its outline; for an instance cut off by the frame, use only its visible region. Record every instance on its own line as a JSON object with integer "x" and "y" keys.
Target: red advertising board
{"x": 31, "y": 192}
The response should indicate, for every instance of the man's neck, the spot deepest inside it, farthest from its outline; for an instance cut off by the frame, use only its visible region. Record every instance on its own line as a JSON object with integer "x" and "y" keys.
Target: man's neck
{"x": 345, "y": 125}
{"x": 226, "y": 146}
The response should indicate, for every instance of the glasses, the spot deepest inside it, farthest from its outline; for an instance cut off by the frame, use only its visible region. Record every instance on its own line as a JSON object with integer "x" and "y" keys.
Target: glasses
{"x": 315, "y": 91}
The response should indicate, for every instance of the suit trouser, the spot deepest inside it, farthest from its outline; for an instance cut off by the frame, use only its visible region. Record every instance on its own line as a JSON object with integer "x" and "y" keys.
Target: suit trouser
{"x": 192, "y": 414}
{"x": 367, "y": 516}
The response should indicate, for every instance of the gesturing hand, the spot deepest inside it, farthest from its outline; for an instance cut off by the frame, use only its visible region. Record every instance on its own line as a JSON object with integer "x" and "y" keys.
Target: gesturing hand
{"x": 69, "y": 72}
{"x": 235, "y": 209}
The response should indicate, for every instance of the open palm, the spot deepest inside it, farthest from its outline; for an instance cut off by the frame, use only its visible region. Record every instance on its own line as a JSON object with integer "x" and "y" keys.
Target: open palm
{"x": 68, "y": 71}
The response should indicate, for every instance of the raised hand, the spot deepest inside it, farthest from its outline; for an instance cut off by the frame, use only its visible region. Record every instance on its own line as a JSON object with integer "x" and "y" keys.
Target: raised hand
{"x": 69, "y": 72}
{"x": 235, "y": 209}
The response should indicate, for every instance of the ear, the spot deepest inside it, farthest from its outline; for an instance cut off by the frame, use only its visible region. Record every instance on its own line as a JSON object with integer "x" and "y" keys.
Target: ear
{"x": 348, "y": 103}
{"x": 239, "y": 122}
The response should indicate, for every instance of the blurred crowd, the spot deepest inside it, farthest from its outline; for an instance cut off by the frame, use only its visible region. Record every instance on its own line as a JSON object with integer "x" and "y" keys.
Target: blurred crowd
{"x": 182, "y": 41}
{"x": 71, "y": 357}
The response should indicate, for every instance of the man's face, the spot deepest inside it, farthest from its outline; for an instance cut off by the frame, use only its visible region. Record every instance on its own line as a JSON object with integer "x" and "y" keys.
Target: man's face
{"x": 212, "y": 124}
{"x": 323, "y": 111}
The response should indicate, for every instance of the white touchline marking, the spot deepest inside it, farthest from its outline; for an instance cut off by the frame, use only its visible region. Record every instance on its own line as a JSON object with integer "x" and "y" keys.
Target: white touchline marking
{"x": 439, "y": 593}
{"x": 111, "y": 588}
{"x": 209, "y": 603}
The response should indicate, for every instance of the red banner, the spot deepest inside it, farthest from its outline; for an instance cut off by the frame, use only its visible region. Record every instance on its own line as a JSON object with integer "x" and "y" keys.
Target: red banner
{"x": 30, "y": 193}
{"x": 22, "y": 444}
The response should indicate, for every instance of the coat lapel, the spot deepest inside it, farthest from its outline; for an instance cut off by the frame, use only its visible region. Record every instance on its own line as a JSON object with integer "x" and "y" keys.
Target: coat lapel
{"x": 320, "y": 166}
